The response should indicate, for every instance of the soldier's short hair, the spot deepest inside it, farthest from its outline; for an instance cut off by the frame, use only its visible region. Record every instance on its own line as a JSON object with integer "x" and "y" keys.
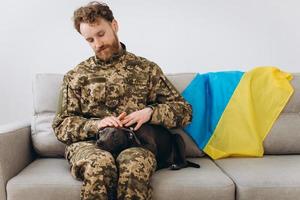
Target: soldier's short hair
{"x": 91, "y": 12}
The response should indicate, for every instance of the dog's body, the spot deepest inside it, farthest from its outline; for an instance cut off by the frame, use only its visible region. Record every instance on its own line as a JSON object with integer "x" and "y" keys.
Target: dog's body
{"x": 168, "y": 148}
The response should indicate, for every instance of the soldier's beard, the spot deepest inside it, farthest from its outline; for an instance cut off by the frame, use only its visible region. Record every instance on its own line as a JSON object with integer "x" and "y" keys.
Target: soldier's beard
{"x": 107, "y": 51}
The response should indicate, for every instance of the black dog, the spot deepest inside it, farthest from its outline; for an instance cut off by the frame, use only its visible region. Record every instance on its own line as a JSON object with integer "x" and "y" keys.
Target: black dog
{"x": 168, "y": 148}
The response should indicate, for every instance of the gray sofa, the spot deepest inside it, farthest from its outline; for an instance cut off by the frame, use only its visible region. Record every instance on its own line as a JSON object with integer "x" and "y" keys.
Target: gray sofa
{"x": 32, "y": 164}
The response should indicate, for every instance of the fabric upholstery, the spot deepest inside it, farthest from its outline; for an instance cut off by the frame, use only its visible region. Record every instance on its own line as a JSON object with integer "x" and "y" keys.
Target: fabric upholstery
{"x": 207, "y": 182}
{"x": 294, "y": 104}
{"x": 45, "y": 142}
{"x": 15, "y": 152}
{"x": 269, "y": 178}
{"x": 46, "y": 179}
{"x": 49, "y": 178}
{"x": 284, "y": 136}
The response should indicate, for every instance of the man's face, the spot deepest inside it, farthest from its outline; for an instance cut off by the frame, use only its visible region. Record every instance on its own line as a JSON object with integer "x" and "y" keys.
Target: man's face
{"x": 102, "y": 37}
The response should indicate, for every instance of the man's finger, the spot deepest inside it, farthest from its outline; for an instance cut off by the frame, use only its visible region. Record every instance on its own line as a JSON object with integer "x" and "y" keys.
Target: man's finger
{"x": 139, "y": 124}
{"x": 113, "y": 121}
{"x": 122, "y": 115}
{"x": 107, "y": 124}
{"x": 126, "y": 119}
{"x": 130, "y": 122}
{"x": 116, "y": 121}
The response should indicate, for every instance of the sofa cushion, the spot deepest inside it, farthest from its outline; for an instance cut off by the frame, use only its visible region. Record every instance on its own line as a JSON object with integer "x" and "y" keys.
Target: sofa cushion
{"x": 45, "y": 97}
{"x": 49, "y": 178}
{"x": 270, "y": 178}
{"x": 46, "y": 92}
{"x": 284, "y": 136}
{"x": 46, "y": 179}
{"x": 293, "y": 105}
{"x": 44, "y": 141}
{"x": 207, "y": 182}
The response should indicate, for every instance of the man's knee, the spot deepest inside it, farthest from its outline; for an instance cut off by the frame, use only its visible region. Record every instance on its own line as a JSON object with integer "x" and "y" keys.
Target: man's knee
{"x": 136, "y": 166}
{"x": 87, "y": 160}
{"x": 137, "y": 162}
{"x": 99, "y": 167}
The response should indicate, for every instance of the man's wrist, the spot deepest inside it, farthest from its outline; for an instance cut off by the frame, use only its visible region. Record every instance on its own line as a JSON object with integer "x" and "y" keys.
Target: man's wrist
{"x": 152, "y": 110}
{"x": 150, "y": 106}
{"x": 91, "y": 126}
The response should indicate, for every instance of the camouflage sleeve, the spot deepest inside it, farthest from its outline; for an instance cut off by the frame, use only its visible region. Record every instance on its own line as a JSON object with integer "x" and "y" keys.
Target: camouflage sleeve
{"x": 69, "y": 125}
{"x": 169, "y": 107}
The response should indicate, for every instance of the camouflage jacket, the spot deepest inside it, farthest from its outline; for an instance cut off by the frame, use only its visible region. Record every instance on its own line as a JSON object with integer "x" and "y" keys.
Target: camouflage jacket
{"x": 95, "y": 89}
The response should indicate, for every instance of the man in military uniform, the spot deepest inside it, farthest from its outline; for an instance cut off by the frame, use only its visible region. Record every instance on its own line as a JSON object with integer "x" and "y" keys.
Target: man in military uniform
{"x": 114, "y": 88}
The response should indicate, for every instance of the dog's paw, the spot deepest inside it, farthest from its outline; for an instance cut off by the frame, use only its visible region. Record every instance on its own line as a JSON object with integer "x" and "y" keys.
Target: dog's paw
{"x": 175, "y": 167}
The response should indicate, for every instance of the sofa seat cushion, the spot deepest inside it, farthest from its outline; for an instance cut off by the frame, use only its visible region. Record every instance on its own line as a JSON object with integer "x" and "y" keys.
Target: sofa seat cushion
{"x": 46, "y": 179}
{"x": 49, "y": 178}
{"x": 207, "y": 182}
{"x": 268, "y": 178}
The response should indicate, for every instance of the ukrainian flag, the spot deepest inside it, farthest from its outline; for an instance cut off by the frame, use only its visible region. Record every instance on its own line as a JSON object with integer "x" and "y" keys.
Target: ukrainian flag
{"x": 233, "y": 111}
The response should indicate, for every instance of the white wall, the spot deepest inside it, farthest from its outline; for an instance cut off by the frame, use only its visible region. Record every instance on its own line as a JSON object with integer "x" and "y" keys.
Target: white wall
{"x": 181, "y": 36}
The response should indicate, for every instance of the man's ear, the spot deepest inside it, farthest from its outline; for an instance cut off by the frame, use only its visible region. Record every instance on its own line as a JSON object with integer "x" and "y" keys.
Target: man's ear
{"x": 114, "y": 25}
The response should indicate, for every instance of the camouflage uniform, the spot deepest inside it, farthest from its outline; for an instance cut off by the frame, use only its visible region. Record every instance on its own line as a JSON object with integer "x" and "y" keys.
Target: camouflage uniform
{"x": 96, "y": 89}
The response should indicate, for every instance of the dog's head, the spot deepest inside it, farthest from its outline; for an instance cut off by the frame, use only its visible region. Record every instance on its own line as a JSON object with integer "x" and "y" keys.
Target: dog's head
{"x": 116, "y": 140}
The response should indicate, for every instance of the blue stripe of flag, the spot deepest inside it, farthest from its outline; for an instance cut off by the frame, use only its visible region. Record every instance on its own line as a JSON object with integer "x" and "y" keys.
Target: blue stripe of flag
{"x": 209, "y": 94}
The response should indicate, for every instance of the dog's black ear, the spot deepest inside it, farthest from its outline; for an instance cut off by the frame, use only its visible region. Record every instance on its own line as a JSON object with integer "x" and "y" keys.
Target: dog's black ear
{"x": 104, "y": 129}
{"x": 136, "y": 139}
{"x": 131, "y": 135}
{"x": 101, "y": 131}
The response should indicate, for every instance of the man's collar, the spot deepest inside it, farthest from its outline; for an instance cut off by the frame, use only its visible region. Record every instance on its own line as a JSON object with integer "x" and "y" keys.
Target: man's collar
{"x": 114, "y": 57}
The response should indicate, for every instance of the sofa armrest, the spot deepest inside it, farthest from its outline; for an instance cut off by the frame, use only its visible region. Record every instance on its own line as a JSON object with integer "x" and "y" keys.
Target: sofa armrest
{"x": 15, "y": 152}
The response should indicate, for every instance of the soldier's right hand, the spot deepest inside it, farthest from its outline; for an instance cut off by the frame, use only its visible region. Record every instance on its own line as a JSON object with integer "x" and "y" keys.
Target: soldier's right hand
{"x": 111, "y": 121}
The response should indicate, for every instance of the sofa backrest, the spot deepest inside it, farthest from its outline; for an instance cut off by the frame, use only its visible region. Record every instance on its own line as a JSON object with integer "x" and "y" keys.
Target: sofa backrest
{"x": 45, "y": 98}
{"x": 284, "y": 137}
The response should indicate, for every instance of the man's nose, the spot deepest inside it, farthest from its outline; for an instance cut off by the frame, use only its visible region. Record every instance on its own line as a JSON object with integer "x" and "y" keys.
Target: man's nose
{"x": 98, "y": 44}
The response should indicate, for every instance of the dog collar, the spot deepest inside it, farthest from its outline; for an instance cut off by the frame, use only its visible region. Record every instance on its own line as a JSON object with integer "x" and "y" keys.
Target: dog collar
{"x": 132, "y": 134}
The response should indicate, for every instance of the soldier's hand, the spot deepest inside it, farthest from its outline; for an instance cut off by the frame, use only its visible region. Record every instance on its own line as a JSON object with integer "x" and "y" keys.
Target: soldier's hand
{"x": 111, "y": 121}
{"x": 139, "y": 117}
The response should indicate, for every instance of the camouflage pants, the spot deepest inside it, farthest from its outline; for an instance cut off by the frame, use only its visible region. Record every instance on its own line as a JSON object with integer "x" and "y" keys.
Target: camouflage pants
{"x": 127, "y": 177}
